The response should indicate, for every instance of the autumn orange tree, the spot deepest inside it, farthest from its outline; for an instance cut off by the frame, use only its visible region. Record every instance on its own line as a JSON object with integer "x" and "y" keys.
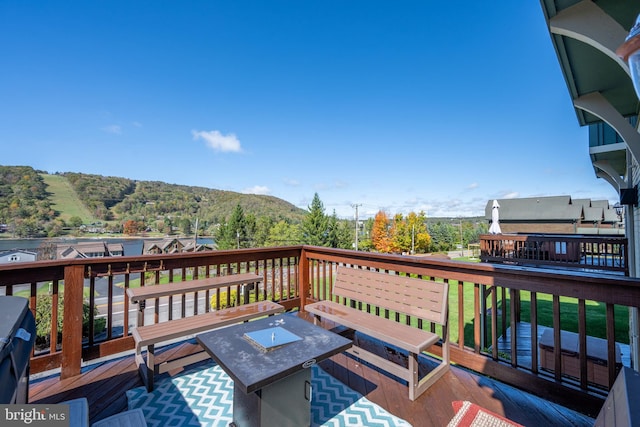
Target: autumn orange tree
{"x": 400, "y": 234}
{"x": 132, "y": 227}
{"x": 382, "y": 233}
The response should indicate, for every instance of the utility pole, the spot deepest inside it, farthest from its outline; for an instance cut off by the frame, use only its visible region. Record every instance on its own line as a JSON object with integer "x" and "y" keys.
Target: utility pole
{"x": 413, "y": 239}
{"x": 355, "y": 205}
{"x": 461, "y": 242}
{"x": 195, "y": 237}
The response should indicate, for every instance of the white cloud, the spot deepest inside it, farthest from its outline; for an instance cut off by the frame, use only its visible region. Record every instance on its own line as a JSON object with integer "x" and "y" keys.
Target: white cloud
{"x": 473, "y": 186}
{"x": 114, "y": 129}
{"x": 219, "y": 142}
{"x": 257, "y": 189}
{"x": 292, "y": 182}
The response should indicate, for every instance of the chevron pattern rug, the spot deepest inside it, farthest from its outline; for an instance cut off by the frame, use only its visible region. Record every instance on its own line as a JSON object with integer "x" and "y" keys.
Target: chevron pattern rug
{"x": 203, "y": 396}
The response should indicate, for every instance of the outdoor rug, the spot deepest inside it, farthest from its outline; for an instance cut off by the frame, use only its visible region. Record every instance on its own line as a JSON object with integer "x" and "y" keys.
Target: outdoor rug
{"x": 203, "y": 396}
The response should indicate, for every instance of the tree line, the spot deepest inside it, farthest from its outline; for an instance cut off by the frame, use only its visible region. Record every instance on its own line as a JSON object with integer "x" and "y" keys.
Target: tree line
{"x": 412, "y": 233}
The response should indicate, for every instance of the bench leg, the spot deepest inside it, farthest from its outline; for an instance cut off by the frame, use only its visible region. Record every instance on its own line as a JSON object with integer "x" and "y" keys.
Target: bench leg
{"x": 413, "y": 376}
{"x": 150, "y": 366}
{"x": 419, "y": 386}
{"x": 146, "y": 367}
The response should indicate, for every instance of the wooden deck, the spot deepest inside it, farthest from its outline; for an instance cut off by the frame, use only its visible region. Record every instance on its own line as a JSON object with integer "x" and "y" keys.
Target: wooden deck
{"x": 104, "y": 385}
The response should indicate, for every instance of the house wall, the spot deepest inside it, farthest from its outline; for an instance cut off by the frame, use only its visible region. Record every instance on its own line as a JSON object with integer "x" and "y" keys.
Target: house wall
{"x": 532, "y": 228}
{"x": 16, "y": 257}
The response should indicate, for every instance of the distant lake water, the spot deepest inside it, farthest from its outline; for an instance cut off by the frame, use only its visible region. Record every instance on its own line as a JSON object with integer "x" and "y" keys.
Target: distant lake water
{"x": 132, "y": 246}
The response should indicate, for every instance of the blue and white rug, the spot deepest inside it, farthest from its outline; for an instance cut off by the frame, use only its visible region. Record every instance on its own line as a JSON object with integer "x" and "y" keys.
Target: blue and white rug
{"x": 203, "y": 396}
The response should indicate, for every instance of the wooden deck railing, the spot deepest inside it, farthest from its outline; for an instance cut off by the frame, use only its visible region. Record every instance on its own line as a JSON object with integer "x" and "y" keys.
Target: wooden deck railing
{"x": 76, "y": 283}
{"x": 295, "y": 275}
{"x": 603, "y": 253}
{"x": 479, "y": 289}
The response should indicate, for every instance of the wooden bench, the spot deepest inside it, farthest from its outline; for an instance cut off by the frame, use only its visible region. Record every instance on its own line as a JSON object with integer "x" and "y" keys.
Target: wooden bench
{"x": 150, "y": 335}
{"x": 420, "y": 299}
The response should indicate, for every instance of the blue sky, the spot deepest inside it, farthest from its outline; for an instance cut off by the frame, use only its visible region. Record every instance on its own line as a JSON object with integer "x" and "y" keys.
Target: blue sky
{"x": 401, "y": 106}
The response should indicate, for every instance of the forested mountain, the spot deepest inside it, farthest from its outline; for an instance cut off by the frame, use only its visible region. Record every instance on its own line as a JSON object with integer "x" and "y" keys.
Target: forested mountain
{"x": 26, "y": 203}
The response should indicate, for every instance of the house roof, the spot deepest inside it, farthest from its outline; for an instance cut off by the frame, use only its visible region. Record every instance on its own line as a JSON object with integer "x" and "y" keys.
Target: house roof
{"x": 593, "y": 214}
{"x": 536, "y": 209}
{"x": 554, "y": 208}
{"x": 80, "y": 249}
{"x": 115, "y": 247}
{"x": 70, "y": 253}
{"x": 163, "y": 244}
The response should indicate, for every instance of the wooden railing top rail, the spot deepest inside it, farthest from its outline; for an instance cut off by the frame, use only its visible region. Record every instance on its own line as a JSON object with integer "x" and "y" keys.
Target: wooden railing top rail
{"x": 608, "y": 288}
{"x": 27, "y": 272}
{"x": 554, "y": 237}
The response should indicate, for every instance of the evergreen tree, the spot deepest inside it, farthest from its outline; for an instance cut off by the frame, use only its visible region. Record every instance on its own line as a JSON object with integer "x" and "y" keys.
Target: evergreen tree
{"x": 315, "y": 224}
{"x": 346, "y": 235}
{"x": 333, "y": 235}
{"x": 251, "y": 228}
{"x": 233, "y": 233}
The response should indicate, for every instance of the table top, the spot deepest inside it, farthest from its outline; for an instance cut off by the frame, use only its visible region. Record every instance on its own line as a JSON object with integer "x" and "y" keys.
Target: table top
{"x": 252, "y": 367}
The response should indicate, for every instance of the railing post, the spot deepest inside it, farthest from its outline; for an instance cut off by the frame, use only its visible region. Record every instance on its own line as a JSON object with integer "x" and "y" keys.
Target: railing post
{"x": 72, "y": 322}
{"x": 303, "y": 274}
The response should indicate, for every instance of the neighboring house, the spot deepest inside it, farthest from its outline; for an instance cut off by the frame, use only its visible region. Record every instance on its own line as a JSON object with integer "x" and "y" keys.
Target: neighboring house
{"x": 164, "y": 246}
{"x": 172, "y": 245}
{"x": 115, "y": 249}
{"x": 556, "y": 215}
{"x": 17, "y": 255}
{"x": 90, "y": 250}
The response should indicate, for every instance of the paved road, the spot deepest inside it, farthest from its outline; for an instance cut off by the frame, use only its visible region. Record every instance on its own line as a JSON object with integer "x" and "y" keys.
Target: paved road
{"x": 118, "y": 309}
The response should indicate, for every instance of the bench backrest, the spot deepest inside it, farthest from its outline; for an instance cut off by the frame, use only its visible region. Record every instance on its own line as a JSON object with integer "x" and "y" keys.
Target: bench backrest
{"x": 146, "y": 292}
{"x": 424, "y": 299}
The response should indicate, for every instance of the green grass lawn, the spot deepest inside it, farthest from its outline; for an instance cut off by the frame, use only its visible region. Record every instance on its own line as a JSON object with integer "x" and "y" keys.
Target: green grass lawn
{"x": 65, "y": 200}
{"x": 596, "y": 314}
